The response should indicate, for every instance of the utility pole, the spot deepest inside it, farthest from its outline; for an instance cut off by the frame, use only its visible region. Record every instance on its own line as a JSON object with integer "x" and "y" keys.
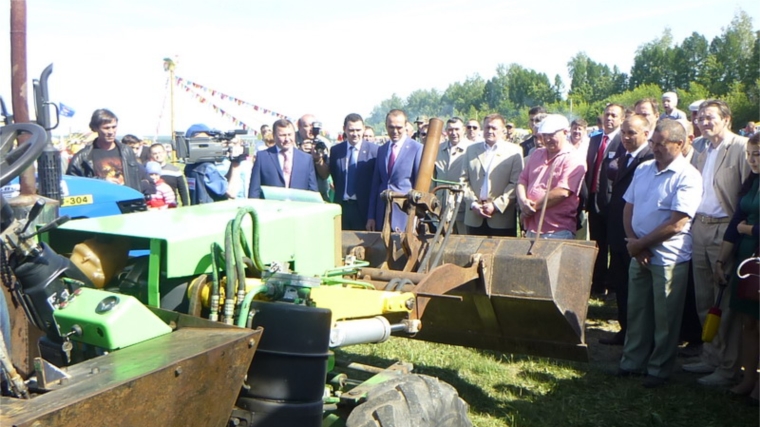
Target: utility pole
{"x": 19, "y": 83}
{"x": 169, "y": 66}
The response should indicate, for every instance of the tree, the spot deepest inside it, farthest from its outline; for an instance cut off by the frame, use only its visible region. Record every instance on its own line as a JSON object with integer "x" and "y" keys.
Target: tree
{"x": 376, "y": 118}
{"x": 689, "y": 59}
{"x": 653, "y": 63}
{"x": 733, "y": 53}
{"x": 460, "y": 97}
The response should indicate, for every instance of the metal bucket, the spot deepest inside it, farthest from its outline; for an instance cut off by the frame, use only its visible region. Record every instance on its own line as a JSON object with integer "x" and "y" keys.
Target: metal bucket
{"x": 527, "y": 304}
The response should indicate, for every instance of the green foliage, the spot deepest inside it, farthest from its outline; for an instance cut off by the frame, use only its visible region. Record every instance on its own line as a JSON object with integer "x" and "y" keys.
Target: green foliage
{"x": 726, "y": 67}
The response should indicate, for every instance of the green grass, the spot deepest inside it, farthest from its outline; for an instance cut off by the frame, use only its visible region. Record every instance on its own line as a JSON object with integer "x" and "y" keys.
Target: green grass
{"x": 505, "y": 390}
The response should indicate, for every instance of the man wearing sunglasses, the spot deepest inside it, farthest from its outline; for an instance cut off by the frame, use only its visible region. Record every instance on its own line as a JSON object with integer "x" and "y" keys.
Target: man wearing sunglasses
{"x": 535, "y": 115}
{"x": 472, "y": 131}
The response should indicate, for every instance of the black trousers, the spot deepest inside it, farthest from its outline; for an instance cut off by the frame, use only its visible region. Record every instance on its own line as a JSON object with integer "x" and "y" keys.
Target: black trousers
{"x": 597, "y": 227}
{"x": 351, "y": 219}
{"x": 618, "y": 274}
{"x": 485, "y": 230}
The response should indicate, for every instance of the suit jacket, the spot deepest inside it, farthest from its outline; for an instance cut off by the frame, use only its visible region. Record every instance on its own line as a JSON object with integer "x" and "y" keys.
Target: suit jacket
{"x": 449, "y": 164}
{"x": 365, "y": 168}
{"x": 620, "y": 176}
{"x": 401, "y": 180}
{"x": 267, "y": 171}
{"x": 598, "y": 204}
{"x": 731, "y": 169}
{"x": 506, "y": 165}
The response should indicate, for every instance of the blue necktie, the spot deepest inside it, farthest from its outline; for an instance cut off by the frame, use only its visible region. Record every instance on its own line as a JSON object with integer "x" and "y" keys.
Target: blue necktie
{"x": 351, "y": 175}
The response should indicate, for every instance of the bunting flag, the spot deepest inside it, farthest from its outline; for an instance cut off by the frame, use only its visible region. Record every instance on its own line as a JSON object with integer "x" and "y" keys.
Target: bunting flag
{"x": 195, "y": 89}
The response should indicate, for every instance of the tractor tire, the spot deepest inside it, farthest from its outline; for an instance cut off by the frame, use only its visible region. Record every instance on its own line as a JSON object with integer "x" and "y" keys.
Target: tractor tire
{"x": 411, "y": 401}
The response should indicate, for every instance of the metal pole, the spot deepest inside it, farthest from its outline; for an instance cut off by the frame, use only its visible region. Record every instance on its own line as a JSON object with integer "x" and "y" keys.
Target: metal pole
{"x": 19, "y": 83}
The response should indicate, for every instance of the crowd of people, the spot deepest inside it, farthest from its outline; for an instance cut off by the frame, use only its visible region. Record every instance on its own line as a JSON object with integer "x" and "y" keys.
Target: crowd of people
{"x": 670, "y": 199}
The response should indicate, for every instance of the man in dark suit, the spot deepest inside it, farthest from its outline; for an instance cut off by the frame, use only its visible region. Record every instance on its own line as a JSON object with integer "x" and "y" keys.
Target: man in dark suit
{"x": 601, "y": 146}
{"x": 633, "y": 151}
{"x": 282, "y": 165}
{"x": 396, "y": 170}
{"x": 352, "y": 163}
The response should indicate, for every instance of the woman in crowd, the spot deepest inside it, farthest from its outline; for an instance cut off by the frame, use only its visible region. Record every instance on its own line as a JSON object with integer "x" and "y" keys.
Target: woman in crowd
{"x": 741, "y": 242}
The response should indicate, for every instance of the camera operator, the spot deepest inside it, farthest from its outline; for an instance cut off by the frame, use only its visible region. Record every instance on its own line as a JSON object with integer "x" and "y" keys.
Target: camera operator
{"x": 310, "y": 141}
{"x": 239, "y": 174}
{"x": 206, "y": 178}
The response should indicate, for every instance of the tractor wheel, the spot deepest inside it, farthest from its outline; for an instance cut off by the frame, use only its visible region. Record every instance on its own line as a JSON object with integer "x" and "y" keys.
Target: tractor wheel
{"x": 411, "y": 401}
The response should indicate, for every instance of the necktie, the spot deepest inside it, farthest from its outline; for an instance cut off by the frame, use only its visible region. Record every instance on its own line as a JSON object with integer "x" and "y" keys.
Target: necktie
{"x": 351, "y": 175}
{"x": 392, "y": 159}
{"x": 628, "y": 158}
{"x": 598, "y": 163}
{"x": 287, "y": 166}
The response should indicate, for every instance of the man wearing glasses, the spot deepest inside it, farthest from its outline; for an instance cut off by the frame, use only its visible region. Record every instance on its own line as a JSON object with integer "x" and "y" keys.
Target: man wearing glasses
{"x": 472, "y": 131}
{"x": 535, "y": 115}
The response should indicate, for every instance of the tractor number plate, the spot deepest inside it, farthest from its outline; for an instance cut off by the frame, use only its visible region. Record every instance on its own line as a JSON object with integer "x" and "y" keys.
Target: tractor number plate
{"x": 84, "y": 199}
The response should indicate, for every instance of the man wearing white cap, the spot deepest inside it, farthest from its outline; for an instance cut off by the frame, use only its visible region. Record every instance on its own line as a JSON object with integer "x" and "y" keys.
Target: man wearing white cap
{"x": 551, "y": 181}
{"x": 669, "y": 104}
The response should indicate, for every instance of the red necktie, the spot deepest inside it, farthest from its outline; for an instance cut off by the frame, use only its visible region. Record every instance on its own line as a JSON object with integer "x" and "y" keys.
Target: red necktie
{"x": 392, "y": 159}
{"x": 598, "y": 163}
{"x": 286, "y": 167}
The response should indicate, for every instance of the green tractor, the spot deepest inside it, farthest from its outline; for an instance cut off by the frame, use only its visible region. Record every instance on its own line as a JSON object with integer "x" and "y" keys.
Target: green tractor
{"x": 153, "y": 318}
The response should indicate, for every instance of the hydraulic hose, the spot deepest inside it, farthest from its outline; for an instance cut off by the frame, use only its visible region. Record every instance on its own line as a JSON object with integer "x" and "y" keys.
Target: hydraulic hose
{"x": 230, "y": 269}
{"x": 245, "y": 307}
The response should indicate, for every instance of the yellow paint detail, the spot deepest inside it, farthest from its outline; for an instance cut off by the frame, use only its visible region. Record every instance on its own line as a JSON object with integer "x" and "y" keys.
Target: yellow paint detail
{"x": 354, "y": 303}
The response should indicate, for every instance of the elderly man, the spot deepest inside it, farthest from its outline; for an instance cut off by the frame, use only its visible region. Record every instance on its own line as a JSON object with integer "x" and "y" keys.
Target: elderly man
{"x": 551, "y": 181}
{"x": 660, "y": 203}
{"x": 282, "y": 165}
{"x": 352, "y": 164}
{"x": 634, "y": 134}
{"x": 669, "y": 104}
{"x": 396, "y": 169}
{"x": 449, "y": 165}
{"x": 491, "y": 171}
{"x": 723, "y": 170}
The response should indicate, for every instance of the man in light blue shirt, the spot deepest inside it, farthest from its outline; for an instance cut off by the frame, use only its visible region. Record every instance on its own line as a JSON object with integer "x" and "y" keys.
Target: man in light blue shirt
{"x": 660, "y": 203}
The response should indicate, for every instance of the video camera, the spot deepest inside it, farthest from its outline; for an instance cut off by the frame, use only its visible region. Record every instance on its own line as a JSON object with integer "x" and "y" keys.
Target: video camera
{"x": 319, "y": 145}
{"x": 213, "y": 148}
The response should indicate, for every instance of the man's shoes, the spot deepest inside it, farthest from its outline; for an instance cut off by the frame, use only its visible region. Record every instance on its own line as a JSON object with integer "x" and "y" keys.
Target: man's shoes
{"x": 715, "y": 380}
{"x": 690, "y": 350}
{"x": 653, "y": 382}
{"x": 624, "y": 373}
{"x": 617, "y": 339}
{"x": 698, "y": 368}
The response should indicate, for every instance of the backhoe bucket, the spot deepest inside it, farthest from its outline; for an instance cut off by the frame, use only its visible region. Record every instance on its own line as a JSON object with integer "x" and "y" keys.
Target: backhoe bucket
{"x": 517, "y": 303}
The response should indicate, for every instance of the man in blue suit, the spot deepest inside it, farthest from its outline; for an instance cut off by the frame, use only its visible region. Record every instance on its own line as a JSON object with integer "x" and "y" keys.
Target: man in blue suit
{"x": 396, "y": 169}
{"x": 282, "y": 165}
{"x": 352, "y": 163}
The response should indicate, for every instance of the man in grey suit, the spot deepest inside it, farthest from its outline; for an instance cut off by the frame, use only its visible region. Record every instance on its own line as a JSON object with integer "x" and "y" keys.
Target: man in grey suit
{"x": 723, "y": 171}
{"x": 352, "y": 164}
{"x": 491, "y": 172}
{"x": 450, "y": 163}
{"x": 396, "y": 169}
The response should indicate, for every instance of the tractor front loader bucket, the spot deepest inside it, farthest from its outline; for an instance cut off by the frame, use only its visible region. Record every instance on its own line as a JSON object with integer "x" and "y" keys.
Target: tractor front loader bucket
{"x": 489, "y": 293}
{"x": 190, "y": 377}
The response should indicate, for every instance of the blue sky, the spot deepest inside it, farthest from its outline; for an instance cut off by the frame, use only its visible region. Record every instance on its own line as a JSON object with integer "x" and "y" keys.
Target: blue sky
{"x": 329, "y": 58}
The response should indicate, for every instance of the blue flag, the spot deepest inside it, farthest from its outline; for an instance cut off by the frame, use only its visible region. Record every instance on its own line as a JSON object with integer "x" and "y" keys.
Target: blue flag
{"x": 65, "y": 111}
